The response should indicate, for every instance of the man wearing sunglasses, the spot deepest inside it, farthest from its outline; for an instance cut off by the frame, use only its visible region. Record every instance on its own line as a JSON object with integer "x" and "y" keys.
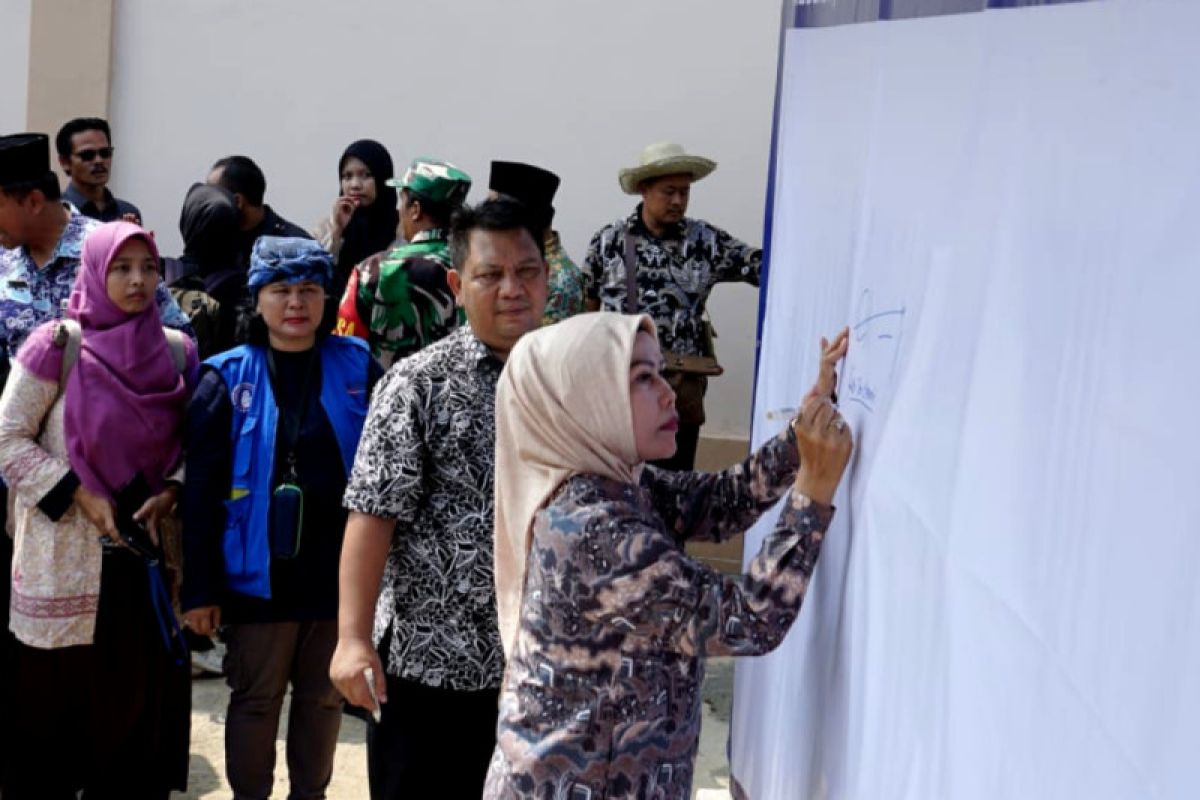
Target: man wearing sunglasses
{"x": 85, "y": 153}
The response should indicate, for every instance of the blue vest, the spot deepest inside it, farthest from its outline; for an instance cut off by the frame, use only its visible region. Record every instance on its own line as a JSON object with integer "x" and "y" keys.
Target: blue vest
{"x": 344, "y": 398}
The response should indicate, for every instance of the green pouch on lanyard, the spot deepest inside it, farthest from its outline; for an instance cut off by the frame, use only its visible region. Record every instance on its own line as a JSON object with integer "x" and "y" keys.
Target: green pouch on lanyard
{"x": 286, "y": 517}
{"x": 287, "y": 520}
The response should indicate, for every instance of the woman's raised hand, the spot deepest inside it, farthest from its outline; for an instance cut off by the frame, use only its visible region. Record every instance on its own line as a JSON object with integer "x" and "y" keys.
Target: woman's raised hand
{"x": 825, "y": 443}
{"x": 823, "y": 439}
{"x": 831, "y": 353}
{"x": 343, "y": 209}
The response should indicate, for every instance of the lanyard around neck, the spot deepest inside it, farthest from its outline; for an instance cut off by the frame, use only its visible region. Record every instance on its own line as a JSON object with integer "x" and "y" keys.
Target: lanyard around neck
{"x": 292, "y": 418}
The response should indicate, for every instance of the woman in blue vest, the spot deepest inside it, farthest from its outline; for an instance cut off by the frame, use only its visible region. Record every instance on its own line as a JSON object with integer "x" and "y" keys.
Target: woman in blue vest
{"x": 272, "y": 431}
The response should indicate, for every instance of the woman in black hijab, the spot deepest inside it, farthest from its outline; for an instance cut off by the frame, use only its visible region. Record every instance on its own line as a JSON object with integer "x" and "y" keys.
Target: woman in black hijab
{"x": 207, "y": 271}
{"x": 364, "y": 218}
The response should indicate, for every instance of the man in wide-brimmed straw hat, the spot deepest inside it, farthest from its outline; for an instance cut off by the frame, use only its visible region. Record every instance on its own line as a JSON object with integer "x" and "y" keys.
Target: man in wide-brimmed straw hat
{"x": 664, "y": 159}
{"x": 675, "y": 263}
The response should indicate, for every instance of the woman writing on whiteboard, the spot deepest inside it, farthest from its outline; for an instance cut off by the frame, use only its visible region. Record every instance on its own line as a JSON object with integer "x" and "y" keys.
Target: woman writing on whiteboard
{"x": 605, "y": 620}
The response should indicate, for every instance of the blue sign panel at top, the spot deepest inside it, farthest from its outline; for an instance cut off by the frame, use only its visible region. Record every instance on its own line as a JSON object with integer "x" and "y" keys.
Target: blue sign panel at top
{"x": 822, "y": 13}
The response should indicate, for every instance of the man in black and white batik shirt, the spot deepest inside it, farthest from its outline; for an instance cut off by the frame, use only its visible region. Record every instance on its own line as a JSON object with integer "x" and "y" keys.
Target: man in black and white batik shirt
{"x": 418, "y": 599}
{"x": 676, "y": 262}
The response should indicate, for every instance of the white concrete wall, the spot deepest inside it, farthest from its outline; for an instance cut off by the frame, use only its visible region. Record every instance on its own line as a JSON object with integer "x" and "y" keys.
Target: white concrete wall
{"x": 14, "y": 64}
{"x": 576, "y": 87}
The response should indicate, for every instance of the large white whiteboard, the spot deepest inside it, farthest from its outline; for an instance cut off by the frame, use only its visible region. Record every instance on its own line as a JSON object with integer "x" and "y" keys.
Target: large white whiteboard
{"x": 1006, "y": 207}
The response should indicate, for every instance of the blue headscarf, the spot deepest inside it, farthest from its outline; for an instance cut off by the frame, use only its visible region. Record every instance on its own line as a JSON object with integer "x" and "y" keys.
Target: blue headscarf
{"x": 290, "y": 259}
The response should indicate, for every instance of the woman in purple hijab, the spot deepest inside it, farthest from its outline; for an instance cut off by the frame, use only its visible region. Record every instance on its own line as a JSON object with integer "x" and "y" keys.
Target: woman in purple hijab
{"x": 91, "y": 426}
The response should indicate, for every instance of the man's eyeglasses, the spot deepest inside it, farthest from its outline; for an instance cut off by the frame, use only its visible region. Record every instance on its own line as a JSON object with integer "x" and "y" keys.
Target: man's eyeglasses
{"x": 91, "y": 153}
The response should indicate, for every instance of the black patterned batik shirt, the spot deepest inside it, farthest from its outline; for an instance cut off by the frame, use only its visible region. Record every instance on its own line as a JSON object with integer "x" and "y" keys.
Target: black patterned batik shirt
{"x": 426, "y": 461}
{"x": 675, "y": 274}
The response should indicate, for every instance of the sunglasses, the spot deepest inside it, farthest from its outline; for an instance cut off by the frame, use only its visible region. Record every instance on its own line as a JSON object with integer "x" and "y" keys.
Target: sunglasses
{"x": 91, "y": 153}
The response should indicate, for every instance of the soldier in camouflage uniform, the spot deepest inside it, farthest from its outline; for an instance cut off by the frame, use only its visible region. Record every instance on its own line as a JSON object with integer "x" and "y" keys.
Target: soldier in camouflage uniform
{"x": 408, "y": 304}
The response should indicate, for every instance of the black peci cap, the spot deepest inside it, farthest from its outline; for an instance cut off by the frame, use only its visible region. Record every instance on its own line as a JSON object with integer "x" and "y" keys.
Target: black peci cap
{"x": 24, "y": 157}
{"x": 533, "y": 186}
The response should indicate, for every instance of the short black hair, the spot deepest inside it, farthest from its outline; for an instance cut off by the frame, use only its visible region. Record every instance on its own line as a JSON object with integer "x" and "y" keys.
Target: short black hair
{"x": 500, "y": 214}
{"x": 440, "y": 213}
{"x": 240, "y": 175}
{"x": 47, "y": 185}
{"x": 62, "y": 141}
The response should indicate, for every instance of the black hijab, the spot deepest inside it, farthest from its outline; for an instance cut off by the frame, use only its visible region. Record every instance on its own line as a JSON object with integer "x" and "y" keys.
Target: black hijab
{"x": 208, "y": 223}
{"x": 373, "y": 228}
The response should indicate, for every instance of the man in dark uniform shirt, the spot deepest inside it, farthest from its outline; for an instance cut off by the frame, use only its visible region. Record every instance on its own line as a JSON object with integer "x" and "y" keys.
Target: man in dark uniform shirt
{"x": 243, "y": 178}
{"x": 85, "y": 154}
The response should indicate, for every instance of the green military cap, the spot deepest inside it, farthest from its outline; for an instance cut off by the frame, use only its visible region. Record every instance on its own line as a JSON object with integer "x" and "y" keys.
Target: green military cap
{"x": 436, "y": 181}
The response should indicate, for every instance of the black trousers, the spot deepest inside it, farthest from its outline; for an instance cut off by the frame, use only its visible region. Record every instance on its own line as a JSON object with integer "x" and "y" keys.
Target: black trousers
{"x": 111, "y": 718}
{"x": 431, "y": 742}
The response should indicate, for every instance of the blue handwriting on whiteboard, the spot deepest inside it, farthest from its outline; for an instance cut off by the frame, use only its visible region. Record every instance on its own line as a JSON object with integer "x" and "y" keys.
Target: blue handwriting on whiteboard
{"x": 874, "y": 352}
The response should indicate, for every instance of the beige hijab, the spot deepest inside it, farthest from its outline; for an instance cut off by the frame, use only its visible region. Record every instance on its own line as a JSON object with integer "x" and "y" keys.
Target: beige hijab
{"x": 562, "y": 408}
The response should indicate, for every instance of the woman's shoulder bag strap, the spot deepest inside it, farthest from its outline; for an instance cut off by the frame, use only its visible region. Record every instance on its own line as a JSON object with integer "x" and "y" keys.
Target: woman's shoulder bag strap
{"x": 69, "y": 337}
{"x": 176, "y": 346}
{"x": 631, "y": 291}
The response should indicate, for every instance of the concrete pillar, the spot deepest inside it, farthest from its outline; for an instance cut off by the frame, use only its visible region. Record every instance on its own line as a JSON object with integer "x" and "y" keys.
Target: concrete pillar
{"x": 70, "y": 62}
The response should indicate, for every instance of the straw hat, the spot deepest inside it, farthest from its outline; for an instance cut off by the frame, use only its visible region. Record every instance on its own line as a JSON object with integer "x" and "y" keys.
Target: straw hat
{"x": 664, "y": 158}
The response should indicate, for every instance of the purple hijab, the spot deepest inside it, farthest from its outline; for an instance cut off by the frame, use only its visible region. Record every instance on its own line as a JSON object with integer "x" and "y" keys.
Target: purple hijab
{"x": 124, "y": 399}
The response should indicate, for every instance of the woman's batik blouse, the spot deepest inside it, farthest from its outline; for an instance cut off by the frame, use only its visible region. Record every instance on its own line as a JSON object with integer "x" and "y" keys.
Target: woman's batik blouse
{"x": 601, "y": 697}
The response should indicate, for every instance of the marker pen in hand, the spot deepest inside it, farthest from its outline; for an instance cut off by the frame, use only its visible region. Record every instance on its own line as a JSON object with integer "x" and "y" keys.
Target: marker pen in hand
{"x": 376, "y": 712}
